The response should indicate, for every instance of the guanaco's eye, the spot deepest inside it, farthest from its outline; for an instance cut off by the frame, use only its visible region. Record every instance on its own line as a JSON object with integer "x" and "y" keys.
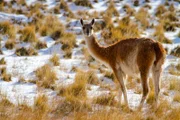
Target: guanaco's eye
{"x": 83, "y": 28}
{"x": 91, "y": 27}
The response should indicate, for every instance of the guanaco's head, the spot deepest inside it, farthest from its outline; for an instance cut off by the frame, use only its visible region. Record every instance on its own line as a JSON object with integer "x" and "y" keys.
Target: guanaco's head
{"x": 87, "y": 28}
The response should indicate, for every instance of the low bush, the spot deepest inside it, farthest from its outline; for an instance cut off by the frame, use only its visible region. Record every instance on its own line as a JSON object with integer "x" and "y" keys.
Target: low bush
{"x": 46, "y": 76}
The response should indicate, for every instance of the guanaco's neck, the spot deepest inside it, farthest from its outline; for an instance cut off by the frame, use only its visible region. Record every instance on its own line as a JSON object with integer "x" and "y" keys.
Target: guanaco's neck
{"x": 97, "y": 51}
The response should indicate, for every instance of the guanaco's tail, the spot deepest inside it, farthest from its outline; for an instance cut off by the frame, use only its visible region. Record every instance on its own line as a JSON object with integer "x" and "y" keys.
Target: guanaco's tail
{"x": 160, "y": 52}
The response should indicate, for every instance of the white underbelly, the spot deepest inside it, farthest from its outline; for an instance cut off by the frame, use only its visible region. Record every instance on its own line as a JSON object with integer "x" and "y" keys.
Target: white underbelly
{"x": 130, "y": 70}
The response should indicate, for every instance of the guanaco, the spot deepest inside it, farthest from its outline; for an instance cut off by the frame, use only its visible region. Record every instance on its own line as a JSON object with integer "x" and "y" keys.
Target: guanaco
{"x": 132, "y": 57}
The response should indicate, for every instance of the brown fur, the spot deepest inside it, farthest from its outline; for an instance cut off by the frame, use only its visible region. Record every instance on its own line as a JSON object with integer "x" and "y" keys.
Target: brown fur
{"x": 130, "y": 56}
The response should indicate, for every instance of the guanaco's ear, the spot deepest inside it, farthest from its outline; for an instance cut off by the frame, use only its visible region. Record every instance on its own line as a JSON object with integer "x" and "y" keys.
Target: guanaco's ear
{"x": 92, "y": 22}
{"x": 81, "y": 21}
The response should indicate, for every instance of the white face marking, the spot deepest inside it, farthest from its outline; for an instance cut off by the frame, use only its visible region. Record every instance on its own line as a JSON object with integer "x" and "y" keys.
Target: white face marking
{"x": 87, "y": 28}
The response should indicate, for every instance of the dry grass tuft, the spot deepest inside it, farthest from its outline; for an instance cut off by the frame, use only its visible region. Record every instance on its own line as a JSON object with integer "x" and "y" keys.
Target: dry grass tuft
{"x": 85, "y": 3}
{"x": 172, "y": 8}
{"x": 46, "y": 76}
{"x": 160, "y": 10}
{"x": 173, "y": 114}
{"x": 174, "y": 84}
{"x": 7, "y": 28}
{"x": 142, "y": 16}
{"x": 111, "y": 10}
{"x": 5, "y": 76}
{"x": 41, "y": 103}
{"x": 40, "y": 45}
{"x": 107, "y": 99}
{"x": 174, "y": 71}
{"x": 125, "y": 29}
{"x": 25, "y": 51}
{"x": 159, "y": 34}
{"x": 10, "y": 44}
{"x": 92, "y": 77}
{"x": 71, "y": 105}
{"x": 2, "y": 61}
{"x": 178, "y": 34}
{"x": 176, "y": 97}
{"x": 69, "y": 13}
{"x": 68, "y": 42}
{"x": 78, "y": 88}
{"x": 129, "y": 10}
{"x": 55, "y": 60}
{"x": 54, "y": 28}
{"x": 28, "y": 34}
{"x": 150, "y": 97}
{"x": 163, "y": 107}
{"x": 176, "y": 51}
{"x": 169, "y": 20}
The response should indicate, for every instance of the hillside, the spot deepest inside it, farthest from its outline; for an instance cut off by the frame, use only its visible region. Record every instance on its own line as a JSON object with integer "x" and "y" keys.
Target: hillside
{"x": 48, "y": 73}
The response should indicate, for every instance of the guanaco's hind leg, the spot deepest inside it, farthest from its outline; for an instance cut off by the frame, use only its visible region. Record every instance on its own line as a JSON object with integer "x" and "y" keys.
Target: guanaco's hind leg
{"x": 156, "y": 72}
{"x": 119, "y": 76}
{"x": 144, "y": 81}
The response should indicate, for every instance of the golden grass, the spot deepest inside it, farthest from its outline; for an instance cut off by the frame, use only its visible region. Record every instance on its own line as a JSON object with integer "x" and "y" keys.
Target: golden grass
{"x": 169, "y": 21}
{"x": 160, "y": 10}
{"x": 159, "y": 34}
{"x": 106, "y": 99}
{"x": 151, "y": 97}
{"x": 68, "y": 42}
{"x": 176, "y": 51}
{"x": 77, "y": 109}
{"x": 85, "y": 3}
{"x": 178, "y": 34}
{"x": 125, "y": 29}
{"x": 174, "y": 84}
{"x": 92, "y": 77}
{"x": 129, "y": 10}
{"x": 10, "y": 44}
{"x": 4, "y": 75}
{"x": 54, "y": 28}
{"x": 174, "y": 71}
{"x": 57, "y": 33}
{"x": 56, "y": 10}
{"x": 7, "y": 29}
{"x": 37, "y": 6}
{"x": 2, "y": 61}
{"x": 55, "y": 60}
{"x": 63, "y": 5}
{"x": 46, "y": 76}
{"x": 10, "y": 111}
{"x": 25, "y": 51}
{"x": 41, "y": 103}
{"x": 176, "y": 97}
{"x": 75, "y": 95}
{"x": 68, "y": 106}
{"x": 163, "y": 107}
{"x": 108, "y": 74}
{"x": 142, "y": 16}
{"x": 2, "y": 70}
{"x": 172, "y": 8}
{"x": 28, "y": 34}
{"x": 40, "y": 45}
{"x": 111, "y": 10}
{"x": 2, "y": 6}
{"x": 78, "y": 88}
{"x": 109, "y": 114}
